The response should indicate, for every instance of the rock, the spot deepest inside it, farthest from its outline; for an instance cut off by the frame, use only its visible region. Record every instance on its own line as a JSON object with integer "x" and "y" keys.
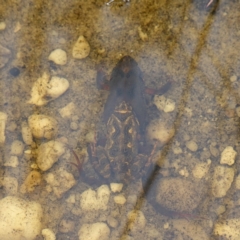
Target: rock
{"x": 32, "y": 180}
{"x": 228, "y": 229}
{"x": 228, "y": 156}
{"x": 178, "y": 194}
{"x": 48, "y": 234}
{"x": 164, "y": 104}
{"x": 177, "y": 150}
{"x": 158, "y": 130}
{"x": 17, "y": 148}
{"x": 112, "y": 222}
{"x": 95, "y": 231}
{"x": 45, "y": 90}
{"x": 214, "y": 151}
{"x": 119, "y": 199}
{"x": 19, "y": 219}
{"x": 26, "y": 134}
{"x": 48, "y": 154}
{"x": 18, "y": 27}
{"x": 60, "y": 181}
{"x": 43, "y": 126}
{"x": 3, "y": 121}
{"x": 192, "y": 146}
{"x": 95, "y": 200}
{"x": 233, "y": 78}
{"x": 56, "y": 87}
{"x": 11, "y": 162}
{"x": 67, "y": 111}
{"x": 184, "y": 172}
{"x": 81, "y": 48}
{"x": 136, "y": 221}
{"x": 58, "y": 56}
{"x": 2, "y": 26}
{"x": 222, "y": 181}
{"x": 5, "y": 55}
{"x": 10, "y": 185}
{"x": 116, "y": 187}
{"x": 201, "y": 169}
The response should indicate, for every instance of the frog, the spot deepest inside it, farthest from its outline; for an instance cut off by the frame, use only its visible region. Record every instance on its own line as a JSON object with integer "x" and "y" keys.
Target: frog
{"x": 125, "y": 156}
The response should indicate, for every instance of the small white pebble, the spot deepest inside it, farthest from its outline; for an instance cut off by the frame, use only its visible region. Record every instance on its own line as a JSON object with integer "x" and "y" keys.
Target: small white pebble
{"x": 67, "y": 111}
{"x": 17, "y": 148}
{"x": 233, "y": 78}
{"x": 177, "y": 150}
{"x": 2, "y": 26}
{"x": 169, "y": 106}
{"x": 116, "y": 187}
{"x": 112, "y": 222}
{"x": 119, "y": 199}
{"x": 11, "y": 162}
{"x": 48, "y": 234}
{"x": 192, "y": 146}
{"x": 95, "y": 231}
{"x": 81, "y": 48}
{"x": 26, "y": 134}
{"x": 58, "y": 56}
{"x": 166, "y": 225}
{"x": 201, "y": 169}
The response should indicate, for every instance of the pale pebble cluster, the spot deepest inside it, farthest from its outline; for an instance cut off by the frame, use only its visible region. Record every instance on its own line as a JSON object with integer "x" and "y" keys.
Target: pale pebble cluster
{"x": 59, "y": 182}
{"x": 48, "y": 153}
{"x": 164, "y": 104}
{"x": 45, "y": 89}
{"x": 42, "y": 126}
{"x": 96, "y": 202}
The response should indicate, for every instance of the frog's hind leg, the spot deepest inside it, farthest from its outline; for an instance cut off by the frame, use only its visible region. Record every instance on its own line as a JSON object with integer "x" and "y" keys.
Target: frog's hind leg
{"x": 99, "y": 161}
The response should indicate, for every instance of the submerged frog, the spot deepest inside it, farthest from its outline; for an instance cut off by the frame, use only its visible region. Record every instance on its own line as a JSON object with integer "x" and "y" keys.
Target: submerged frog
{"x": 125, "y": 155}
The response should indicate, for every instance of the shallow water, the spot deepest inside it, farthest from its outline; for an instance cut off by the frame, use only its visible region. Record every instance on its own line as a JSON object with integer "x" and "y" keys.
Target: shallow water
{"x": 183, "y": 42}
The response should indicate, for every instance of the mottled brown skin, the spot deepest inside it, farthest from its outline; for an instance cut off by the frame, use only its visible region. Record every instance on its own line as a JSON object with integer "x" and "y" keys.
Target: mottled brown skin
{"x": 121, "y": 159}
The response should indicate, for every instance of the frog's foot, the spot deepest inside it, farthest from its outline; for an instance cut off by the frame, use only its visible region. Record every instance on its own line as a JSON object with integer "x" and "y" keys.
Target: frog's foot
{"x": 160, "y": 91}
{"x": 79, "y": 163}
